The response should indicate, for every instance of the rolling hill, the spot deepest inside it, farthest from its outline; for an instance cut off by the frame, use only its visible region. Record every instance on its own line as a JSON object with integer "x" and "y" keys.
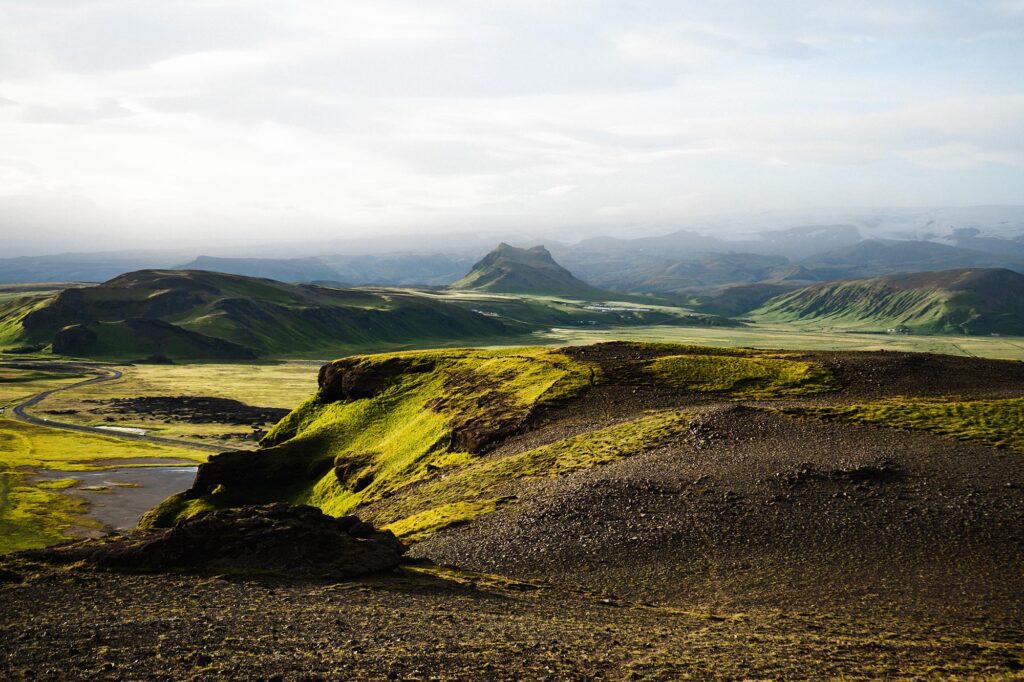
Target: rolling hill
{"x": 196, "y": 314}
{"x": 964, "y": 301}
{"x": 511, "y": 270}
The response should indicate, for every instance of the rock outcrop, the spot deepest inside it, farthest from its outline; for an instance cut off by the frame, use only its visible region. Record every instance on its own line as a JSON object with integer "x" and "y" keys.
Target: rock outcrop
{"x": 294, "y": 540}
{"x": 362, "y": 377}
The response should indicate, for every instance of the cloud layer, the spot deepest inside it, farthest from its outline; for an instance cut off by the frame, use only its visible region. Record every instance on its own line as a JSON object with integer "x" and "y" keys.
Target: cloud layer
{"x": 148, "y": 124}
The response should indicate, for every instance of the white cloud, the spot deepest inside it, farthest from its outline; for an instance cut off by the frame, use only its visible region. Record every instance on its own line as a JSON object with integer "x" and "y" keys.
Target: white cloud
{"x": 396, "y": 116}
{"x": 557, "y": 190}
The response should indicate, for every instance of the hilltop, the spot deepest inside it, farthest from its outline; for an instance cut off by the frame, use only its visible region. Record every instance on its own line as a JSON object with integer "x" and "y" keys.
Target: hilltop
{"x": 511, "y": 270}
{"x": 965, "y": 301}
{"x": 195, "y": 314}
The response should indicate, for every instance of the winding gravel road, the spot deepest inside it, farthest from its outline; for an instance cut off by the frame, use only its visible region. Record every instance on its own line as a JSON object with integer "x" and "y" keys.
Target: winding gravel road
{"x": 104, "y": 373}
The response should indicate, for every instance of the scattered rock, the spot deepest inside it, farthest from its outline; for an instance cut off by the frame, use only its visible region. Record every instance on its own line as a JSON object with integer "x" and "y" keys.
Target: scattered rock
{"x": 7, "y": 576}
{"x": 882, "y": 471}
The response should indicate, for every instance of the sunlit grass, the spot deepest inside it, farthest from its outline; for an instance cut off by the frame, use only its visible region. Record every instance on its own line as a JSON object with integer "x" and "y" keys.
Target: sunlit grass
{"x": 405, "y": 434}
{"x": 755, "y": 377}
{"x": 999, "y": 423}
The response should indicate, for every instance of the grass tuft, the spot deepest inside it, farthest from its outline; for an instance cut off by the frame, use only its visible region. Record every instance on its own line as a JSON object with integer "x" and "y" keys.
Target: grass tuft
{"x": 999, "y": 423}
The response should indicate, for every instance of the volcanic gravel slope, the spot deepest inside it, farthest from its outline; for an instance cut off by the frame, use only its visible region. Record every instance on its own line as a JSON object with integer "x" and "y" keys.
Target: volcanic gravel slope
{"x": 757, "y": 544}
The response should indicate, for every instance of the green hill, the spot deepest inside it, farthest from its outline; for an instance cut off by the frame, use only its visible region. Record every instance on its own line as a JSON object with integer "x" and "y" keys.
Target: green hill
{"x": 195, "y": 314}
{"x": 966, "y": 301}
{"x": 511, "y": 270}
{"x": 411, "y": 438}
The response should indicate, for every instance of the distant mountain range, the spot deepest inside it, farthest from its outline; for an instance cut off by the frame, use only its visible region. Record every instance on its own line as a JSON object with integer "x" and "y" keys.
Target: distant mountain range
{"x": 962, "y": 301}
{"x": 683, "y": 262}
{"x": 199, "y": 314}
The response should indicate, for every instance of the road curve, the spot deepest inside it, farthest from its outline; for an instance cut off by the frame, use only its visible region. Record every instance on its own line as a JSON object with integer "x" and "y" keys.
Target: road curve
{"x": 108, "y": 374}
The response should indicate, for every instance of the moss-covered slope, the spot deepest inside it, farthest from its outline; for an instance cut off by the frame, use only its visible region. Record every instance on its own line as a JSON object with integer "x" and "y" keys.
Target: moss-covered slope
{"x": 975, "y": 301}
{"x": 406, "y": 438}
{"x": 380, "y": 423}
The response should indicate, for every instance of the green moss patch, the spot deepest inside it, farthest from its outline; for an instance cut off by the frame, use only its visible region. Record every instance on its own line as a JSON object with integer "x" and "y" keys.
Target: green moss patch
{"x": 999, "y": 423}
{"x": 425, "y": 523}
{"x": 753, "y": 377}
{"x": 33, "y": 516}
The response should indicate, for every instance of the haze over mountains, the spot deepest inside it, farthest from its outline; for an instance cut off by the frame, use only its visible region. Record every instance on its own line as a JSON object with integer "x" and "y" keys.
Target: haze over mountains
{"x": 786, "y": 248}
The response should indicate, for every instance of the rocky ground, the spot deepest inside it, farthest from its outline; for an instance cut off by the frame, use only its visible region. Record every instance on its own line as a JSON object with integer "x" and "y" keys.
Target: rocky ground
{"x": 422, "y": 623}
{"x": 759, "y": 544}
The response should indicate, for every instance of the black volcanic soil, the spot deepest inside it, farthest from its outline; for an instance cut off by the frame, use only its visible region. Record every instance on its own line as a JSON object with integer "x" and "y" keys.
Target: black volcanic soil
{"x": 757, "y": 545}
{"x": 190, "y": 409}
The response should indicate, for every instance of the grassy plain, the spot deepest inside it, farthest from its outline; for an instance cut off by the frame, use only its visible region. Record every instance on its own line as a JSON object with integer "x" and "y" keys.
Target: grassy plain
{"x": 17, "y": 385}
{"x": 793, "y": 337}
{"x": 281, "y": 385}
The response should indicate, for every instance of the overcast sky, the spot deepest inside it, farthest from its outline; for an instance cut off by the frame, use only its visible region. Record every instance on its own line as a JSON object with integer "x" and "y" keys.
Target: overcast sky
{"x": 127, "y": 123}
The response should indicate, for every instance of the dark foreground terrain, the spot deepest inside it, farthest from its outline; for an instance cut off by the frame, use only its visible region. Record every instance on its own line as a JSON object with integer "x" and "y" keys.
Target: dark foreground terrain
{"x": 428, "y": 624}
{"x": 782, "y": 529}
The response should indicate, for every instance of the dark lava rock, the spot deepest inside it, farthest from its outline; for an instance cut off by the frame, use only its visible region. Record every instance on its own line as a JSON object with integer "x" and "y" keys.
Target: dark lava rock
{"x": 359, "y": 377}
{"x": 156, "y": 359}
{"x": 881, "y": 471}
{"x": 282, "y": 538}
{"x": 192, "y": 409}
{"x": 7, "y": 576}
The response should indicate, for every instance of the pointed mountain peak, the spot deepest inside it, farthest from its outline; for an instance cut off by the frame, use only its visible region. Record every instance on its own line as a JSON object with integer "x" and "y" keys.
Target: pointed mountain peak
{"x": 515, "y": 270}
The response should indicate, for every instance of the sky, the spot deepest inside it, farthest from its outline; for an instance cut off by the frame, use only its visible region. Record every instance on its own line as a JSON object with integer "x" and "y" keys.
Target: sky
{"x": 131, "y": 124}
